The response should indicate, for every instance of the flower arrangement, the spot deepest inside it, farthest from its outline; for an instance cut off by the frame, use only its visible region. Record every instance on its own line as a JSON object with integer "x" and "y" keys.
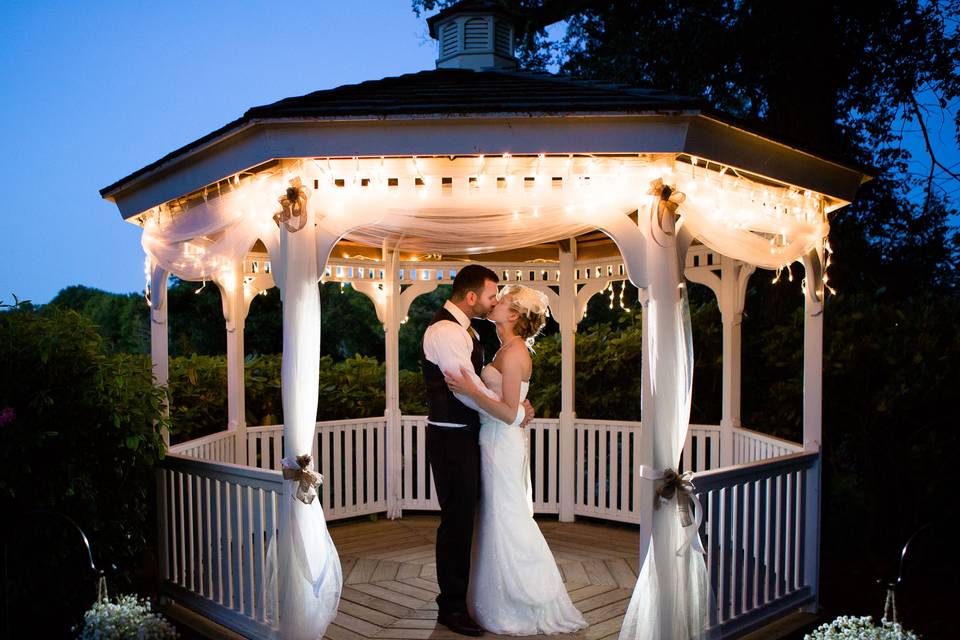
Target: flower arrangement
{"x": 862, "y": 628}
{"x": 126, "y": 618}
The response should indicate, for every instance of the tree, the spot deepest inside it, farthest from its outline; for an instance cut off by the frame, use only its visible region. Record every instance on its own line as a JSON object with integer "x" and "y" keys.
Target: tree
{"x": 121, "y": 319}
{"x": 842, "y": 79}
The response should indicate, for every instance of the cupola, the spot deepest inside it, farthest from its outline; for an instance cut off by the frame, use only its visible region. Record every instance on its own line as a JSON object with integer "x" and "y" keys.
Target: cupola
{"x": 475, "y": 34}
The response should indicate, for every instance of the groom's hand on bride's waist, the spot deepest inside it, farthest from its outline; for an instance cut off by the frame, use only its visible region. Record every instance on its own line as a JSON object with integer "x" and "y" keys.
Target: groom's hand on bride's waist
{"x": 528, "y": 413}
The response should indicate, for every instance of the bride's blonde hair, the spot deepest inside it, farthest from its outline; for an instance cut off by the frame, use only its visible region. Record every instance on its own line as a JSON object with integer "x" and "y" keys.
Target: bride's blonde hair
{"x": 531, "y": 305}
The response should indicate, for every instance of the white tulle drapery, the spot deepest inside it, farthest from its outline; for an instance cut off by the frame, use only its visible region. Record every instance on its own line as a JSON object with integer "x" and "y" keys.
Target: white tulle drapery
{"x": 204, "y": 242}
{"x": 308, "y": 573}
{"x": 671, "y": 595}
{"x": 481, "y": 205}
{"x": 762, "y": 225}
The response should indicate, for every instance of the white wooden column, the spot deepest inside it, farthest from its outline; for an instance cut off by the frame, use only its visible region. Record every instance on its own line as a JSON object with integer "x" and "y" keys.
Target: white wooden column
{"x": 812, "y": 416}
{"x": 812, "y": 369}
{"x": 567, "y": 318}
{"x": 730, "y": 288}
{"x": 391, "y": 333}
{"x": 392, "y": 305}
{"x": 644, "y": 448}
{"x": 159, "y": 337}
{"x": 733, "y": 284}
{"x": 235, "y": 305}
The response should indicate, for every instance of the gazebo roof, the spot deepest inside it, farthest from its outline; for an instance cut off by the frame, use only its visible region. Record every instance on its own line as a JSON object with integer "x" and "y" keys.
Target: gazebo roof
{"x": 461, "y": 93}
{"x": 465, "y": 90}
{"x": 451, "y": 92}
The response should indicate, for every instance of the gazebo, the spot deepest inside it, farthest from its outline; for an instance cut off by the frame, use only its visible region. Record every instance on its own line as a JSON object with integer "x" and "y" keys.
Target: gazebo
{"x": 565, "y": 185}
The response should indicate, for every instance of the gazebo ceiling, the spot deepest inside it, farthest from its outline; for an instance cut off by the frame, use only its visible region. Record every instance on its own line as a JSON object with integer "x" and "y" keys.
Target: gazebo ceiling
{"x": 457, "y": 112}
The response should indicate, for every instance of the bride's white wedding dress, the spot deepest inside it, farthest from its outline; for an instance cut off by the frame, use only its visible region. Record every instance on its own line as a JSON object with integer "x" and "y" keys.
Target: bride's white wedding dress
{"x": 515, "y": 586}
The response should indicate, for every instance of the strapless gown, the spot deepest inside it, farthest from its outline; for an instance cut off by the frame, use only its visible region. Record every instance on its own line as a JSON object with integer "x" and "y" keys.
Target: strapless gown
{"x": 515, "y": 586}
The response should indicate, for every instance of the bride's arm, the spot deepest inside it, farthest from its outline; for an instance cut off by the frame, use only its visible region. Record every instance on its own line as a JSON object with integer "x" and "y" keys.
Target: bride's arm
{"x": 505, "y": 409}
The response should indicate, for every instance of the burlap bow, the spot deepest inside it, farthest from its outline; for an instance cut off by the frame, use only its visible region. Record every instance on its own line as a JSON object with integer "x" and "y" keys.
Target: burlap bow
{"x": 293, "y": 204}
{"x": 680, "y": 486}
{"x": 670, "y": 199}
{"x": 674, "y": 483}
{"x": 308, "y": 479}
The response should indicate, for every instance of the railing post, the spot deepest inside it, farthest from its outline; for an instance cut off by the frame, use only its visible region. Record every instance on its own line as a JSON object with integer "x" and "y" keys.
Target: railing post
{"x": 811, "y": 542}
{"x": 568, "y": 327}
{"x": 159, "y": 338}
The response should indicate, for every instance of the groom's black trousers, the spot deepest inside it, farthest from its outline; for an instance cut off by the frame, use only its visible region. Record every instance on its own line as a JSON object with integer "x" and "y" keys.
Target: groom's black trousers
{"x": 455, "y": 460}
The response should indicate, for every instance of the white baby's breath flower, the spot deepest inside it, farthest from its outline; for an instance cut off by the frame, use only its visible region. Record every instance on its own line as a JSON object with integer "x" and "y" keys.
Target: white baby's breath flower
{"x": 860, "y": 628}
{"x": 126, "y": 618}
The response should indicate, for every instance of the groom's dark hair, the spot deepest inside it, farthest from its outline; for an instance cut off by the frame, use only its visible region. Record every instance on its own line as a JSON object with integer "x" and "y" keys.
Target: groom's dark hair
{"x": 471, "y": 278}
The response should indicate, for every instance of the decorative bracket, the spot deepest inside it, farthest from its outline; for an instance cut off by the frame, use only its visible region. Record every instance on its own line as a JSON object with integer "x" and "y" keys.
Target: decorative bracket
{"x": 377, "y": 295}
{"x": 412, "y": 292}
{"x": 588, "y": 290}
{"x": 158, "y": 293}
{"x": 813, "y": 267}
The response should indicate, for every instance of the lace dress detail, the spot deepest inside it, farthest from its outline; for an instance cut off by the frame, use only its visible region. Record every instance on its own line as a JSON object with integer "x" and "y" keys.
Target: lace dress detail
{"x": 515, "y": 586}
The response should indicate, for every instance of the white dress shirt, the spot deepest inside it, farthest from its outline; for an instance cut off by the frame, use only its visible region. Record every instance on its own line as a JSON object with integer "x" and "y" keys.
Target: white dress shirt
{"x": 448, "y": 345}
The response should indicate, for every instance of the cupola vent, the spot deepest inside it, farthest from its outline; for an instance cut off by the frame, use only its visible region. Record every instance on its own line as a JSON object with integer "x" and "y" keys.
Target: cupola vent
{"x": 476, "y": 34}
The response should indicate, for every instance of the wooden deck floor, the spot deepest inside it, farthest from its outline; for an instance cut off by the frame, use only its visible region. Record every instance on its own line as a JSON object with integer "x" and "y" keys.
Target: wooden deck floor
{"x": 390, "y": 578}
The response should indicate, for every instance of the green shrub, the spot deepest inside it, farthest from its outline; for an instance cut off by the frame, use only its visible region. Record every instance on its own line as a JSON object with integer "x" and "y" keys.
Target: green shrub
{"x": 80, "y": 437}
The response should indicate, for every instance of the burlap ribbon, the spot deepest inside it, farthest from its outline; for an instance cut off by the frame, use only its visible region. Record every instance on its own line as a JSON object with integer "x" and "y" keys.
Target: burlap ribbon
{"x": 670, "y": 199}
{"x": 293, "y": 204}
{"x": 298, "y": 469}
{"x": 674, "y": 483}
{"x": 679, "y": 486}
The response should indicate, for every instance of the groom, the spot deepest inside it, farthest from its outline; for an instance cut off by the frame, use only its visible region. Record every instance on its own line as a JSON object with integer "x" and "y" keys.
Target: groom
{"x": 453, "y": 426}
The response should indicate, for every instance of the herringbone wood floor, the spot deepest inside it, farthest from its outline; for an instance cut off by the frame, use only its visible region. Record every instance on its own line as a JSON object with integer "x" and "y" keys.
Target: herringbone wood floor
{"x": 390, "y": 578}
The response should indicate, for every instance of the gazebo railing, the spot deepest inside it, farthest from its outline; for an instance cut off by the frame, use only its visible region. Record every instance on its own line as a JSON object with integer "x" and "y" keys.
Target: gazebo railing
{"x": 607, "y": 451}
{"x": 351, "y": 455}
{"x": 217, "y": 519}
{"x": 751, "y": 446}
{"x": 216, "y": 523}
{"x": 761, "y": 533}
{"x": 216, "y": 447}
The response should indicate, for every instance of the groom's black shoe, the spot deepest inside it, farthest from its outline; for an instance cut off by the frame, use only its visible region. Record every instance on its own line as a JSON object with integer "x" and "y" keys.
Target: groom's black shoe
{"x": 460, "y": 623}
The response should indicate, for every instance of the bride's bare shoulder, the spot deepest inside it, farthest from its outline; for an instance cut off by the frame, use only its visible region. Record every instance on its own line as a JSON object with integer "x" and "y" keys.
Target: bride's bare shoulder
{"x": 515, "y": 356}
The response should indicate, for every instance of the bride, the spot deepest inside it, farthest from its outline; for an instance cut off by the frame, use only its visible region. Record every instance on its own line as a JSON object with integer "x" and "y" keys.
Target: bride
{"x": 515, "y": 586}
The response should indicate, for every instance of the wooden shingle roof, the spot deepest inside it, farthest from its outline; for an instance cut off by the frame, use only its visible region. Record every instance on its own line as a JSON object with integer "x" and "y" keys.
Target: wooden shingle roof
{"x": 450, "y": 91}
{"x": 467, "y": 91}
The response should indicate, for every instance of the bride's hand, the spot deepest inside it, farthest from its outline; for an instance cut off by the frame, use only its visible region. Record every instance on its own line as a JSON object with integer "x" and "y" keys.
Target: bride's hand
{"x": 463, "y": 383}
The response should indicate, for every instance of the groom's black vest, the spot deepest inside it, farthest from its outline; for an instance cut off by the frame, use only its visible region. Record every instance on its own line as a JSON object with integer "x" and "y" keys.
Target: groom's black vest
{"x": 444, "y": 406}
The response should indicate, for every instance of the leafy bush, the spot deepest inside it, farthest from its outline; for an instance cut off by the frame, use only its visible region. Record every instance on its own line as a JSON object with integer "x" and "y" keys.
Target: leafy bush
{"x": 608, "y": 386}
{"x": 80, "y": 438}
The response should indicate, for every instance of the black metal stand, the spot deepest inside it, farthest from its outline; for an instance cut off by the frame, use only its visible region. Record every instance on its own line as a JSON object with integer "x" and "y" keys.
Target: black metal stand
{"x": 6, "y": 554}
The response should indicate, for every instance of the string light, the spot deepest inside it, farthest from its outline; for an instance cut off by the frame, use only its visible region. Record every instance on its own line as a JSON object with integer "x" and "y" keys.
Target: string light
{"x": 782, "y": 216}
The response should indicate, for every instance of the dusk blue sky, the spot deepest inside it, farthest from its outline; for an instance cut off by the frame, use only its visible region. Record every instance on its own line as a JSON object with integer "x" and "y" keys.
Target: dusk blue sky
{"x": 94, "y": 90}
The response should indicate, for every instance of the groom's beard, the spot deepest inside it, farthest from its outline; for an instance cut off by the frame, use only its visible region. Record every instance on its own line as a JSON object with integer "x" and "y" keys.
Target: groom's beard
{"x": 480, "y": 313}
